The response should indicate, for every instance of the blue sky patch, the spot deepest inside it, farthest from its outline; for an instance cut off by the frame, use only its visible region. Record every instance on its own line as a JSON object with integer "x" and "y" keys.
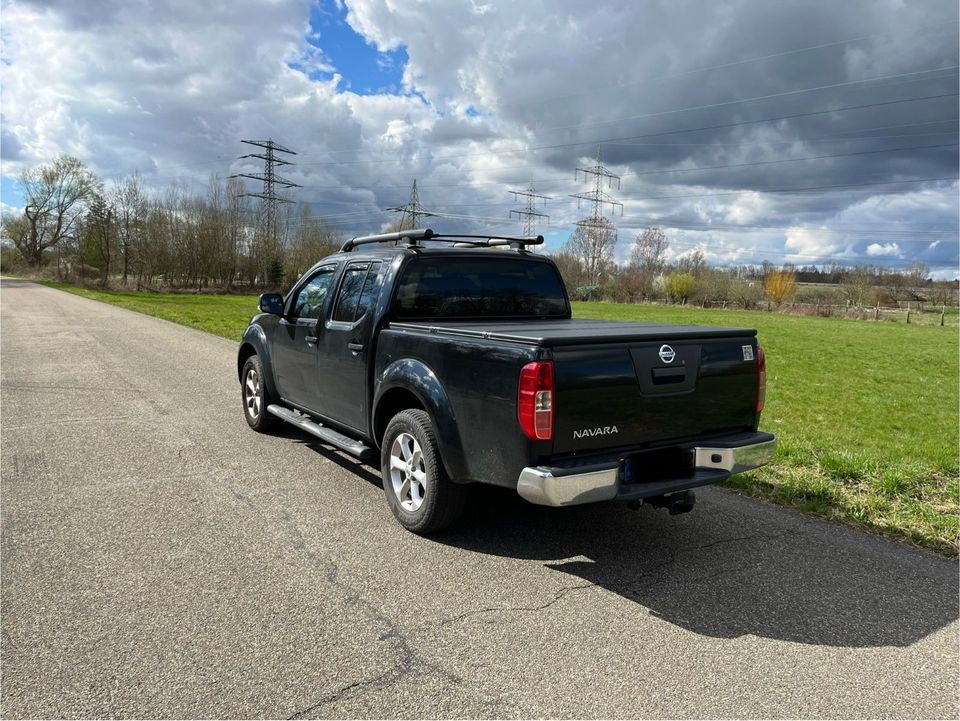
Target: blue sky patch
{"x": 10, "y": 191}
{"x": 364, "y": 69}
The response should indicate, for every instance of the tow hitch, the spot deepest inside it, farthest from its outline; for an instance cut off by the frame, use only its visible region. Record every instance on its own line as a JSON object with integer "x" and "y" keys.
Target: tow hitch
{"x": 675, "y": 503}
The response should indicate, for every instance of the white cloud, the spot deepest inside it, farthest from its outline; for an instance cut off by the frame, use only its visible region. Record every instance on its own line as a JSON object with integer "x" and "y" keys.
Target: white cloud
{"x": 809, "y": 245}
{"x": 170, "y": 87}
{"x": 883, "y": 250}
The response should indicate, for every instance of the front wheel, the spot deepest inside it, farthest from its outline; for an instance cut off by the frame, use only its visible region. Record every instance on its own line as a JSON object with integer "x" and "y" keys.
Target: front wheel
{"x": 256, "y": 397}
{"x": 418, "y": 490}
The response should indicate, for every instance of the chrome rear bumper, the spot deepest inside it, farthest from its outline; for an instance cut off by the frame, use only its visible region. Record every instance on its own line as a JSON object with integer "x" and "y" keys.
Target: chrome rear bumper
{"x": 559, "y": 487}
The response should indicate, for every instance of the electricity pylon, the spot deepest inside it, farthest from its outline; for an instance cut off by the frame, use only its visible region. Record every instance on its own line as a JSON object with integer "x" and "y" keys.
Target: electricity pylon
{"x": 595, "y": 234}
{"x": 270, "y": 200}
{"x": 412, "y": 210}
{"x": 529, "y": 215}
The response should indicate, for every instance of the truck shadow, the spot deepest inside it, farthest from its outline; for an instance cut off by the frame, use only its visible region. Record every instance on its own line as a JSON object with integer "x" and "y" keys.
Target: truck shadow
{"x": 734, "y": 566}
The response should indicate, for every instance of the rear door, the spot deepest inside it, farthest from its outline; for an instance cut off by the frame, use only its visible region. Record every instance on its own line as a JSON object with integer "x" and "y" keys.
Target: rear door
{"x": 633, "y": 394}
{"x": 345, "y": 345}
{"x": 294, "y": 356}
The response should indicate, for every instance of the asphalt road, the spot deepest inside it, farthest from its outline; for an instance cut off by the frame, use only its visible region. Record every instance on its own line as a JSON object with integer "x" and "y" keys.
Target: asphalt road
{"x": 160, "y": 559}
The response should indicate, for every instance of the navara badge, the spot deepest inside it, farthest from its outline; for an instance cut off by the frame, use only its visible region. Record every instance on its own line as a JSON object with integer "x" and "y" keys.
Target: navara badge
{"x": 666, "y": 354}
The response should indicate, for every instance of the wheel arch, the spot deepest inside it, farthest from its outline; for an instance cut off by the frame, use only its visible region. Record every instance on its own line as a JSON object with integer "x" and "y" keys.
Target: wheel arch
{"x": 411, "y": 383}
{"x": 254, "y": 342}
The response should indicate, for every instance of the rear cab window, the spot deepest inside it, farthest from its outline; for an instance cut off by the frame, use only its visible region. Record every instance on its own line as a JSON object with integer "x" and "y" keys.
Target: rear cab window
{"x": 359, "y": 290}
{"x": 433, "y": 288}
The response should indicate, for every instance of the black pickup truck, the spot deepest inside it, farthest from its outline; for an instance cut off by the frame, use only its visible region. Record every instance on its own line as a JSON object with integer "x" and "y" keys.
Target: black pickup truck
{"x": 461, "y": 364}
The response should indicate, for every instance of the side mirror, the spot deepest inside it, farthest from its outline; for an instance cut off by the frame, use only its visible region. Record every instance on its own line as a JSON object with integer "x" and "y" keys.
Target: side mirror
{"x": 271, "y": 303}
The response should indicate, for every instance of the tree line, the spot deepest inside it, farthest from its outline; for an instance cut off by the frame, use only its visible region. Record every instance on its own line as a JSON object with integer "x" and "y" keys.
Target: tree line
{"x": 89, "y": 230}
{"x": 589, "y": 271}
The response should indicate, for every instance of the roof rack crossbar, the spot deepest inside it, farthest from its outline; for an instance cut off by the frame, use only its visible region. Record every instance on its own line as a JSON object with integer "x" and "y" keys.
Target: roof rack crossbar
{"x": 410, "y": 237}
{"x": 491, "y": 241}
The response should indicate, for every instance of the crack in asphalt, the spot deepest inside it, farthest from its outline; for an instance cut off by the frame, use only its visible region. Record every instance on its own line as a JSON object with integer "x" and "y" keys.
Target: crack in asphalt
{"x": 629, "y": 590}
{"x": 634, "y": 590}
{"x": 410, "y": 661}
{"x": 502, "y": 609}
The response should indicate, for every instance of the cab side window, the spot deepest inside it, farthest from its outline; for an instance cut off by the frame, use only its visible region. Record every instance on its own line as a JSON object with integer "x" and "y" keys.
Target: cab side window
{"x": 310, "y": 298}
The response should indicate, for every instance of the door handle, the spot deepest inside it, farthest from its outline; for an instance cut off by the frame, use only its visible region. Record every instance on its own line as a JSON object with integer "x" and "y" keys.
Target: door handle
{"x": 355, "y": 347}
{"x": 311, "y": 339}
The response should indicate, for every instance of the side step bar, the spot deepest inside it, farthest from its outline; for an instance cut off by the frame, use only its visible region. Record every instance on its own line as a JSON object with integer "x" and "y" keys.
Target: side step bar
{"x": 327, "y": 435}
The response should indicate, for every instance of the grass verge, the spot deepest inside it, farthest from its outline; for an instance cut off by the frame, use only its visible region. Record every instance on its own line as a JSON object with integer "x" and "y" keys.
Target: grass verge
{"x": 866, "y": 413}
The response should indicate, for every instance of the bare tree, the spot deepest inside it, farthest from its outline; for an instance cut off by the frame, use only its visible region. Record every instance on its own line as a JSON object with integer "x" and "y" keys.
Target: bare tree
{"x": 56, "y": 197}
{"x": 593, "y": 244}
{"x": 745, "y": 293}
{"x": 857, "y": 285}
{"x": 571, "y": 270}
{"x": 129, "y": 200}
{"x": 692, "y": 263}
{"x": 312, "y": 240}
{"x": 648, "y": 258}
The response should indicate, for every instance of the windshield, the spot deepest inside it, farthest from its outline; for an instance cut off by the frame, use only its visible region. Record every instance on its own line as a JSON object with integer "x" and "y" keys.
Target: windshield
{"x": 465, "y": 287}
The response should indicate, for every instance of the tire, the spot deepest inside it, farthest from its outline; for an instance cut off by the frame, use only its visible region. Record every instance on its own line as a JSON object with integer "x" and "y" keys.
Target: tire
{"x": 255, "y": 396}
{"x": 421, "y": 495}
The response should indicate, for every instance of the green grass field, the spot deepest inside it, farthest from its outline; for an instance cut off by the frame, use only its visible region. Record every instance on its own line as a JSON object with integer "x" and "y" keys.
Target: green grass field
{"x": 867, "y": 413}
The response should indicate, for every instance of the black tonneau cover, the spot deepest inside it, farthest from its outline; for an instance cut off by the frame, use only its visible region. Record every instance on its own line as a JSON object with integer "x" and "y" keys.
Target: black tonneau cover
{"x": 562, "y": 332}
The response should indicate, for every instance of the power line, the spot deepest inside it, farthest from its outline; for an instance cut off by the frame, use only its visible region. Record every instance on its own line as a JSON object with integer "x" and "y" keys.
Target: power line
{"x": 793, "y": 160}
{"x": 720, "y": 66}
{"x": 718, "y": 126}
{"x": 770, "y": 96}
{"x": 620, "y": 139}
{"x": 796, "y": 190}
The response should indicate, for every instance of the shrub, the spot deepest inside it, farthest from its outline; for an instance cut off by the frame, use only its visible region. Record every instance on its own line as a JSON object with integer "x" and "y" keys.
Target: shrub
{"x": 679, "y": 286}
{"x": 780, "y": 285}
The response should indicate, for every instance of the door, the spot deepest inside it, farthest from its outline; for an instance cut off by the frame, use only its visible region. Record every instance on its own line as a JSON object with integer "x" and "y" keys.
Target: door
{"x": 295, "y": 340}
{"x": 346, "y": 345}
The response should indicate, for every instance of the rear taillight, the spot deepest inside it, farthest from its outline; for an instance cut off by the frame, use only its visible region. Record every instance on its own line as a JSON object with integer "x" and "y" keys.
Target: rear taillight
{"x": 535, "y": 400}
{"x": 761, "y": 378}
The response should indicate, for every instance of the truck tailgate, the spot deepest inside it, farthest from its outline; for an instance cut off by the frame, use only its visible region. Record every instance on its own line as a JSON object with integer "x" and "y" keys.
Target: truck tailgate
{"x": 651, "y": 390}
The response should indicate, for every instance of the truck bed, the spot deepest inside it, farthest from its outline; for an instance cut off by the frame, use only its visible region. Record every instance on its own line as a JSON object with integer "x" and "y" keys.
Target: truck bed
{"x": 563, "y": 332}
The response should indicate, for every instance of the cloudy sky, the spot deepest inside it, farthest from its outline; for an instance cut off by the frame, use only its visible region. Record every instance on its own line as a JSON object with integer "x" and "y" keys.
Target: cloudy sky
{"x": 804, "y": 131}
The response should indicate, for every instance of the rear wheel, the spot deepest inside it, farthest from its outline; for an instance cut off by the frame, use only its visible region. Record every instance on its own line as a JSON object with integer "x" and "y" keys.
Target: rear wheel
{"x": 419, "y": 492}
{"x": 255, "y": 396}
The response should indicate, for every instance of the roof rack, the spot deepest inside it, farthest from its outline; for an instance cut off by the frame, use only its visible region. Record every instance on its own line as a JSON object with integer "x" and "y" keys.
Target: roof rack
{"x": 492, "y": 241}
{"x": 412, "y": 238}
{"x": 409, "y": 236}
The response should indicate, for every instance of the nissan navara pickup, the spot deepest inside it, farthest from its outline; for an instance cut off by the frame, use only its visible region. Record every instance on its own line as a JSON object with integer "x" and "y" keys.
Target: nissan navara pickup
{"x": 450, "y": 360}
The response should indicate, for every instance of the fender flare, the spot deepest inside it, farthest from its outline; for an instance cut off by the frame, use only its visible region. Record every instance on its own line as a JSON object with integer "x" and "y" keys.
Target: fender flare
{"x": 418, "y": 378}
{"x": 255, "y": 338}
